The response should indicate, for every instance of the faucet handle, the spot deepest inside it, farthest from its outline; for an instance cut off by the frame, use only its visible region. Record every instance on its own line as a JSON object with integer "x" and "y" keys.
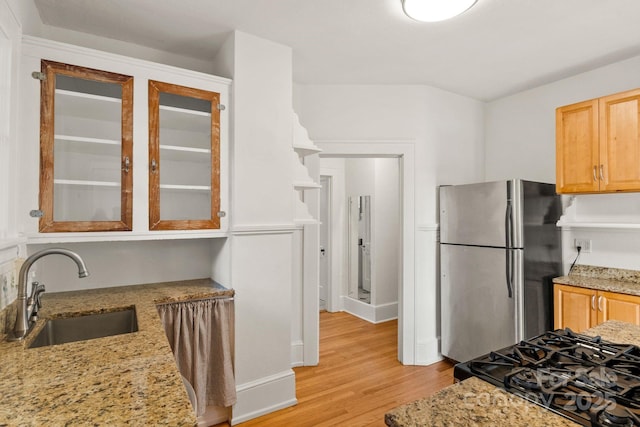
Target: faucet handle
{"x": 36, "y": 290}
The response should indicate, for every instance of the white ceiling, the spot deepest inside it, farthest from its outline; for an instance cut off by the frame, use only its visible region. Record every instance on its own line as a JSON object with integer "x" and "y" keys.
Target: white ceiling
{"x": 496, "y": 48}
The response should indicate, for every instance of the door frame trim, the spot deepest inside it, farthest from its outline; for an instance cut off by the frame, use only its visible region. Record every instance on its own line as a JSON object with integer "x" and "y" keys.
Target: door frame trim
{"x": 405, "y": 151}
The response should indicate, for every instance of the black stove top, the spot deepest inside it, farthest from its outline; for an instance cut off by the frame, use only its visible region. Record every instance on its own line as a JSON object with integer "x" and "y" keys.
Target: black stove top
{"x": 588, "y": 380}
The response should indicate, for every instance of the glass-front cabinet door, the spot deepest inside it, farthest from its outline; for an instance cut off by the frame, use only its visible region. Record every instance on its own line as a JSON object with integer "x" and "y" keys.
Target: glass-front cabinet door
{"x": 86, "y": 137}
{"x": 184, "y": 158}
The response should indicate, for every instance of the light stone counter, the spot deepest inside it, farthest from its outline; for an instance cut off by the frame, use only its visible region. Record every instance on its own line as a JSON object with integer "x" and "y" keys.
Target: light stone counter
{"x": 603, "y": 279}
{"x": 474, "y": 402}
{"x": 127, "y": 379}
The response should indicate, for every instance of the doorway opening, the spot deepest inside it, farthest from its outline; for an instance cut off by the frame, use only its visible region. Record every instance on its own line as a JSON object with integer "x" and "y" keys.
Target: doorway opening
{"x": 361, "y": 236}
{"x": 410, "y": 349}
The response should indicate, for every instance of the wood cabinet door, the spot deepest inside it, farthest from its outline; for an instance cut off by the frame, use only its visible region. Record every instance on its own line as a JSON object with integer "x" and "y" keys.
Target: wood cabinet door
{"x": 574, "y": 307}
{"x": 619, "y": 167}
{"x": 577, "y": 148}
{"x": 184, "y": 158}
{"x": 615, "y": 306}
{"x": 86, "y": 149}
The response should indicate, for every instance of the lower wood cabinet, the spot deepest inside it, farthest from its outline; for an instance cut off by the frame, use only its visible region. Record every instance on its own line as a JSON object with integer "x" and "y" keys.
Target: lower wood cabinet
{"x": 582, "y": 308}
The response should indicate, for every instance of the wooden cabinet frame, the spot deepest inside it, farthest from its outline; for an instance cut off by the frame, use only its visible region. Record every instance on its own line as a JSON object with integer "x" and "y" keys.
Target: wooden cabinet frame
{"x": 577, "y": 148}
{"x": 575, "y": 305}
{"x": 47, "y": 135}
{"x": 155, "y": 222}
{"x": 598, "y": 145}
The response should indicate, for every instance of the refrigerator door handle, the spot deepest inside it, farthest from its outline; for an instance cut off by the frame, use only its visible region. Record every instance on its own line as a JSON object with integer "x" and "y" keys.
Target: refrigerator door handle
{"x": 508, "y": 225}
{"x": 509, "y": 272}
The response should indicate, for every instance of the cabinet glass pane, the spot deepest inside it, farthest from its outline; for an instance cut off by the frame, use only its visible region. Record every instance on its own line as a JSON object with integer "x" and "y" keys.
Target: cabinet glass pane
{"x": 86, "y": 150}
{"x": 86, "y": 145}
{"x": 185, "y": 157}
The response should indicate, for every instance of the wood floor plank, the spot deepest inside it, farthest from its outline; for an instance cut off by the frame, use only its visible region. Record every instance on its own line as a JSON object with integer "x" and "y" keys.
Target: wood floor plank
{"x": 358, "y": 379}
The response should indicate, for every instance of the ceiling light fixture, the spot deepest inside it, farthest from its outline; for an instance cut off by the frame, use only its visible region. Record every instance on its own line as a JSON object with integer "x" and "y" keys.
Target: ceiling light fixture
{"x": 435, "y": 10}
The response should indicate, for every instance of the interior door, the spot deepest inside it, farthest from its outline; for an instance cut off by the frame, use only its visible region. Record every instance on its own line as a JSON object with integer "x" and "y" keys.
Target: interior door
{"x": 477, "y": 314}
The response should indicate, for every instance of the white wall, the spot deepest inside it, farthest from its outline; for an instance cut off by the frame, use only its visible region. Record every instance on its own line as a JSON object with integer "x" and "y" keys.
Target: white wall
{"x": 387, "y": 231}
{"x": 447, "y": 132}
{"x": 32, "y": 25}
{"x": 520, "y": 142}
{"x": 10, "y": 245}
{"x": 379, "y": 178}
{"x": 360, "y": 177}
{"x": 447, "y": 129}
{"x": 124, "y": 263}
{"x": 261, "y": 244}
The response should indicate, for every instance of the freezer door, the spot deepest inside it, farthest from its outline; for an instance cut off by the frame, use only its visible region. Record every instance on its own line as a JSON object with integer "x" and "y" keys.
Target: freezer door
{"x": 480, "y": 214}
{"x": 477, "y": 314}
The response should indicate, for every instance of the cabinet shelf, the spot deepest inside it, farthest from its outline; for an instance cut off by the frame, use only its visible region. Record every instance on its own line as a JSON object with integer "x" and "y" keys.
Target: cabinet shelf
{"x": 123, "y": 236}
{"x": 305, "y": 185}
{"x": 86, "y": 139}
{"x": 86, "y": 145}
{"x": 86, "y": 183}
{"x": 185, "y": 149}
{"x": 306, "y": 150}
{"x": 603, "y": 225}
{"x": 177, "y": 187}
{"x": 302, "y": 180}
{"x": 197, "y": 156}
{"x": 184, "y": 111}
{"x": 184, "y": 119}
{"x": 87, "y": 96}
{"x": 85, "y": 105}
{"x": 301, "y": 142}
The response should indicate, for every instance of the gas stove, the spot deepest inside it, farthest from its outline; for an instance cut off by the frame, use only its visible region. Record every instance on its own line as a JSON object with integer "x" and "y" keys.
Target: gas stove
{"x": 588, "y": 380}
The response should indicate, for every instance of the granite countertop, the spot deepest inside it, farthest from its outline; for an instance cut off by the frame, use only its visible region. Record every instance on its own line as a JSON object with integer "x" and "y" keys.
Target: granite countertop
{"x": 603, "y": 279}
{"x": 474, "y": 402}
{"x": 124, "y": 379}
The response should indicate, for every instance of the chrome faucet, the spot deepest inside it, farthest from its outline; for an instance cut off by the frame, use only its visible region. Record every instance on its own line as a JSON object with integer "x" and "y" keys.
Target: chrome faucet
{"x": 28, "y": 309}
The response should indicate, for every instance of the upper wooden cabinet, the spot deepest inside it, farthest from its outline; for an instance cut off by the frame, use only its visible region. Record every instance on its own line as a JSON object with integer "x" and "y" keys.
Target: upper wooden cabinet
{"x": 184, "y": 158}
{"x": 86, "y": 137}
{"x": 598, "y": 145}
{"x": 580, "y": 308}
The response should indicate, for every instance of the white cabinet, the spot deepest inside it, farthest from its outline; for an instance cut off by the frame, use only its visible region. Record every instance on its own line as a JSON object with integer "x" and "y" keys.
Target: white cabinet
{"x": 153, "y": 160}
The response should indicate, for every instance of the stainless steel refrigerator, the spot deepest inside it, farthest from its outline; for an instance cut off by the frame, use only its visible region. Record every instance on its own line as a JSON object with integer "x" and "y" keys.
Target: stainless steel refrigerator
{"x": 499, "y": 251}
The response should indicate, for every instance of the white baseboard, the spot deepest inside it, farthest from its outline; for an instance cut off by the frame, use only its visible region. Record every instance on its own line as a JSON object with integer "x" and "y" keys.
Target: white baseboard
{"x": 428, "y": 352}
{"x": 297, "y": 354}
{"x": 370, "y": 313}
{"x": 264, "y": 396}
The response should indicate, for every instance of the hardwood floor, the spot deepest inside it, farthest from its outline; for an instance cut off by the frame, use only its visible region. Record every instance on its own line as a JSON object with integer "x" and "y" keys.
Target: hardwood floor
{"x": 359, "y": 378}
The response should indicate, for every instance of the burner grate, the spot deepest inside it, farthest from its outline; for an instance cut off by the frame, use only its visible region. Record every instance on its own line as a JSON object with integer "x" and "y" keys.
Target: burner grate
{"x": 586, "y": 379}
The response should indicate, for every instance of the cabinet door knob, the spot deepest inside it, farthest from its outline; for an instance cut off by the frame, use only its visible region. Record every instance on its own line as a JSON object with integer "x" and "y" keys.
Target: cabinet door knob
{"x": 602, "y": 172}
{"x": 595, "y": 177}
{"x": 593, "y": 302}
{"x": 600, "y": 303}
{"x": 154, "y": 165}
{"x": 126, "y": 164}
